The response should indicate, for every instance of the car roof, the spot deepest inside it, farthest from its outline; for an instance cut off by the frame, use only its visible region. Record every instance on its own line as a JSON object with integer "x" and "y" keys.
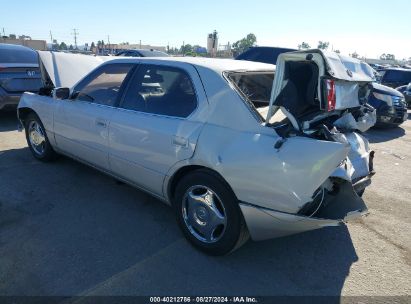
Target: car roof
{"x": 266, "y": 54}
{"x": 14, "y": 47}
{"x": 398, "y": 69}
{"x": 216, "y": 64}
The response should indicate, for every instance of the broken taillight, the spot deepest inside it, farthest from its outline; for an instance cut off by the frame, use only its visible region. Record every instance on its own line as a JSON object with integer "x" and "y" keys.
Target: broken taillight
{"x": 330, "y": 85}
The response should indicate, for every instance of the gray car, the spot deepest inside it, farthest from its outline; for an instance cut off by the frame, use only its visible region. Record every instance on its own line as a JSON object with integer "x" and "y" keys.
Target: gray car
{"x": 233, "y": 148}
{"x": 19, "y": 72}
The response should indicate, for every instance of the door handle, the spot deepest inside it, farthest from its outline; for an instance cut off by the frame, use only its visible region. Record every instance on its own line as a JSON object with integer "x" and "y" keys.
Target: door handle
{"x": 101, "y": 123}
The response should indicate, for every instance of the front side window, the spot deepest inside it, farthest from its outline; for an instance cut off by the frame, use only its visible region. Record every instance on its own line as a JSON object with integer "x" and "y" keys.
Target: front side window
{"x": 103, "y": 86}
{"x": 161, "y": 90}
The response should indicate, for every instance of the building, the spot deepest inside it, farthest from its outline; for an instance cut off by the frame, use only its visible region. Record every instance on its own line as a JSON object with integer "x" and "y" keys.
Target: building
{"x": 39, "y": 45}
{"x": 212, "y": 43}
{"x": 113, "y": 48}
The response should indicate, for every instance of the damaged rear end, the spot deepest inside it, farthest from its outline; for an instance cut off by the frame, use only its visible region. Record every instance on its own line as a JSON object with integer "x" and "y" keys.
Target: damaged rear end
{"x": 321, "y": 97}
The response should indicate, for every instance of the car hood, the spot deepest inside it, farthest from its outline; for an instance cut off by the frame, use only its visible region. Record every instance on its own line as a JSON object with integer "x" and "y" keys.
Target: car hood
{"x": 65, "y": 69}
{"x": 379, "y": 88}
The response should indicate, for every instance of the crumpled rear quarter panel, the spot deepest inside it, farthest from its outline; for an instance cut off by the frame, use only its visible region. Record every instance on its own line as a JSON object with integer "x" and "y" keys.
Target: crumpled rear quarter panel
{"x": 283, "y": 179}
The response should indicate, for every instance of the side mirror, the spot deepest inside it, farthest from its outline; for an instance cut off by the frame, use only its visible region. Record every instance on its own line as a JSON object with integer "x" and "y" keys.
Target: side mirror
{"x": 61, "y": 93}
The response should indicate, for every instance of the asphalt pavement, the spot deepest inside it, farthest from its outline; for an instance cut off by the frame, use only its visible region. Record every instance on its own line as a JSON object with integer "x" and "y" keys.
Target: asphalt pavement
{"x": 67, "y": 229}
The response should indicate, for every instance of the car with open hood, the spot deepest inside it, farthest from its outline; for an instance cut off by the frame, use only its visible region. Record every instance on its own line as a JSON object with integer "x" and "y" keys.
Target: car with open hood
{"x": 206, "y": 136}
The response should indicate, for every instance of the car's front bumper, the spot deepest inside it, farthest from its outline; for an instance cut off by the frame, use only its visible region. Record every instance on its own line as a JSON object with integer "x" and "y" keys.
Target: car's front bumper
{"x": 408, "y": 100}
{"x": 394, "y": 115}
{"x": 9, "y": 101}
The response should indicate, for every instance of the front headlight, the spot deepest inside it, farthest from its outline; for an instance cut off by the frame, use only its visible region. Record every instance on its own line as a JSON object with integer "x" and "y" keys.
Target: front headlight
{"x": 389, "y": 99}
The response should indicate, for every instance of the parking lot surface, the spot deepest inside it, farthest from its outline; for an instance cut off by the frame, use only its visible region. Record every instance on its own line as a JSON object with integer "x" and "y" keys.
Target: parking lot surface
{"x": 66, "y": 229}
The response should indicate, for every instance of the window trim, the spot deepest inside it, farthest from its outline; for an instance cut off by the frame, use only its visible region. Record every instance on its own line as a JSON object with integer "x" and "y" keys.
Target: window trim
{"x": 134, "y": 73}
{"x": 90, "y": 77}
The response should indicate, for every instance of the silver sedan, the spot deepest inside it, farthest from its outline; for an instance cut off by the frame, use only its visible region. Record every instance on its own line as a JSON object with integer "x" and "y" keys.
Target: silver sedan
{"x": 233, "y": 149}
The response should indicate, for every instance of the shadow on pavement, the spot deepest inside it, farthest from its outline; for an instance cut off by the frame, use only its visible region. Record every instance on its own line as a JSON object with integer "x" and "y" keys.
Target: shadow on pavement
{"x": 67, "y": 229}
{"x": 8, "y": 121}
{"x": 377, "y": 135}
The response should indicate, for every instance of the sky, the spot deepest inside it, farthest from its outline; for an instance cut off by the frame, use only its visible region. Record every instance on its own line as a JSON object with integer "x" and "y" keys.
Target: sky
{"x": 368, "y": 27}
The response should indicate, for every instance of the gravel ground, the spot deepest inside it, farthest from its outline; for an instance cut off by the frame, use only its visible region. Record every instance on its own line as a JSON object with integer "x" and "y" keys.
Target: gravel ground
{"x": 66, "y": 229}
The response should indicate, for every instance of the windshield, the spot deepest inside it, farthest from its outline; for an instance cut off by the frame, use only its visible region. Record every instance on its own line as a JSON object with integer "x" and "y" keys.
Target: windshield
{"x": 18, "y": 56}
{"x": 397, "y": 76}
{"x": 254, "y": 86}
{"x": 263, "y": 54}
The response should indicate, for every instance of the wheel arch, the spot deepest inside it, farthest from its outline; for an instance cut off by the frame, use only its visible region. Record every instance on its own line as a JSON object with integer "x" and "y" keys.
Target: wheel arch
{"x": 24, "y": 112}
{"x": 185, "y": 170}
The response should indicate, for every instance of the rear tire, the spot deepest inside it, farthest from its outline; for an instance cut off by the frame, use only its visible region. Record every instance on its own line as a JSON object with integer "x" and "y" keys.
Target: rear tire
{"x": 208, "y": 213}
{"x": 37, "y": 140}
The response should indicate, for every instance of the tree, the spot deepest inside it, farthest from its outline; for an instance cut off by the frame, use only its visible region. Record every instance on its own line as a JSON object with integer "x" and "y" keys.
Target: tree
{"x": 304, "y": 46}
{"x": 186, "y": 49}
{"x": 354, "y": 55}
{"x": 337, "y": 51}
{"x": 245, "y": 43}
{"x": 71, "y": 47}
{"x": 323, "y": 45}
{"x": 63, "y": 46}
{"x": 390, "y": 57}
{"x": 387, "y": 57}
{"x": 92, "y": 46}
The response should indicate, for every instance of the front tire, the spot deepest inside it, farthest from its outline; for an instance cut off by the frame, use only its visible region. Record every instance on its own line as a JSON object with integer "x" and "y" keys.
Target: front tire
{"x": 37, "y": 140}
{"x": 208, "y": 214}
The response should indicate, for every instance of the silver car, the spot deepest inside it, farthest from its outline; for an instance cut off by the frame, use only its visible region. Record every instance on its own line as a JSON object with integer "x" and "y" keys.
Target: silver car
{"x": 235, "y": 150}
{"x": 19, "y": 72}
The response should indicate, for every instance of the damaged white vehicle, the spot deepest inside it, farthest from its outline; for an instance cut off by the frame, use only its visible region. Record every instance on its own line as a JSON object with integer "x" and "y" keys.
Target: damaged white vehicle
{"x": 233, "y": 149}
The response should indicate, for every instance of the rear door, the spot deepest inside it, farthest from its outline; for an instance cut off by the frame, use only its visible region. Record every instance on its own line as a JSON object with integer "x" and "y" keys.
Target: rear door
{"x": 81, "y": 123}
{"x": 157, "y": 124}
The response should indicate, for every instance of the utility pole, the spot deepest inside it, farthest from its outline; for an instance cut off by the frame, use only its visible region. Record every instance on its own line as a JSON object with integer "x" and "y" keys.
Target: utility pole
{"x": 51, "y": 40}
{"x": 4, "y": 33}
{"x": 75, "y": 33}
{"x": 108, "y": 40}
{"x": 140, "y": 43}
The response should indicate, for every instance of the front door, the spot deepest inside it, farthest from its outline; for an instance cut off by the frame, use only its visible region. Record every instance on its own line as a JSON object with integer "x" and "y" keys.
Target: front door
{"x": 81, "y": 123}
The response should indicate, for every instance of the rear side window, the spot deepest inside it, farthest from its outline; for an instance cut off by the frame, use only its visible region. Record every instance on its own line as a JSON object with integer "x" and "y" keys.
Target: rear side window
{"x": 161, "y": 90}
{"x": 103, "y": 85}
{"x": 255, "y": 86}
{"x": 18, "y": 56}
